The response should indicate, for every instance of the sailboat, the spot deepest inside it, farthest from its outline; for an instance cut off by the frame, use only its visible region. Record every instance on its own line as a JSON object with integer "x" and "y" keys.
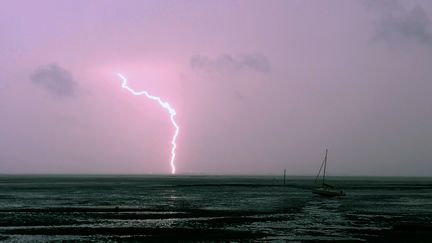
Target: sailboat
{"x": 323, "y": 188}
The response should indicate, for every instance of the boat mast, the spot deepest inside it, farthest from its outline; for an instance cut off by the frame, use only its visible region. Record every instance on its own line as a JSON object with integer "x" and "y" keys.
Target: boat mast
{"x": 325, "y": 165}
{"x": 322, "y": 165}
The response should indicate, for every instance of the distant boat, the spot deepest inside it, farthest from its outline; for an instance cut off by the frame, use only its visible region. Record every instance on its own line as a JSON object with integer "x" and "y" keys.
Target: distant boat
{"x": 323, "y": 188}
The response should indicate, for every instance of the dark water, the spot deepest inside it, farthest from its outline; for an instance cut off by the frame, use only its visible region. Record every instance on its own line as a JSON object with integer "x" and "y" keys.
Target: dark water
{"x": 196, "y": 208}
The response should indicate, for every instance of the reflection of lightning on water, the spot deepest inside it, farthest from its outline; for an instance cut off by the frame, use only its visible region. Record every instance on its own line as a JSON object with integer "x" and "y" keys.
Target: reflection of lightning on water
{"x": 164, "y": 105}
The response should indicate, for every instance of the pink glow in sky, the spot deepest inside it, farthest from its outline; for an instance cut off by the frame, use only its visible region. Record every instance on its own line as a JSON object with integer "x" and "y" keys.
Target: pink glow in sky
{"x": 258, "y": 86}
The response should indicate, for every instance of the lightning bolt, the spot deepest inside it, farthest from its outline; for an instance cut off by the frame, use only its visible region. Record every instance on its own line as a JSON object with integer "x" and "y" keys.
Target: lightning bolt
{"x": 164, "y": 105}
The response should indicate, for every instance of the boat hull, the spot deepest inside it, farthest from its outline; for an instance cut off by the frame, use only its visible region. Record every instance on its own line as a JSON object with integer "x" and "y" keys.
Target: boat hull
{"x": 328, "y": 192}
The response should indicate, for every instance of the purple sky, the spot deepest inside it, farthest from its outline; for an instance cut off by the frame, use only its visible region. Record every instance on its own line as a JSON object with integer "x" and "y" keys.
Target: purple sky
{"x": 259, "y": 86}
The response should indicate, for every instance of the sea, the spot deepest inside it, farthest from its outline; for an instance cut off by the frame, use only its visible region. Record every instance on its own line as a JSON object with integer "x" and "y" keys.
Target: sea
{"x": 120, "y": 208}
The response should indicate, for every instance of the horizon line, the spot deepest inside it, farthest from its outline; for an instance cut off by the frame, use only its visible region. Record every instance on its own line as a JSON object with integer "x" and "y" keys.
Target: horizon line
{"x": 198, "y": 174}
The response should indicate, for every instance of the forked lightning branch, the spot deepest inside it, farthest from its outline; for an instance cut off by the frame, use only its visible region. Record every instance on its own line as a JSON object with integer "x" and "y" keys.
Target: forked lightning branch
{"x": 164, "y": 105}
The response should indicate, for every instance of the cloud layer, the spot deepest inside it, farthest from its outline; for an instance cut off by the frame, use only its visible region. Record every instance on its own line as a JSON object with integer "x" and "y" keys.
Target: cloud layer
{"x": 56, "y": 80}
{"x": 400, "y": 25}
{"x": 228, "y": 63}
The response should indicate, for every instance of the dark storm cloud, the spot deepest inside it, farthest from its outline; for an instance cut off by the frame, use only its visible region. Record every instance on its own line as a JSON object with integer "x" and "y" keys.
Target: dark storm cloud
{"x": 399, "y": 25}
{"x": 228, "y": 63}
{"x": 56, "y": 80}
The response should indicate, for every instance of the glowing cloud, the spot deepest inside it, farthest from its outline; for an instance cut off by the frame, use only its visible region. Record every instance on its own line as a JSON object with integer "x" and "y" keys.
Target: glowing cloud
{"x": 164, "y": 105}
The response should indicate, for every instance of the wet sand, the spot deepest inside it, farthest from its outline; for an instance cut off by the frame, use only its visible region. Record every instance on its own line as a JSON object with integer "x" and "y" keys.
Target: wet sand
{"x": 131, "y": 209}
